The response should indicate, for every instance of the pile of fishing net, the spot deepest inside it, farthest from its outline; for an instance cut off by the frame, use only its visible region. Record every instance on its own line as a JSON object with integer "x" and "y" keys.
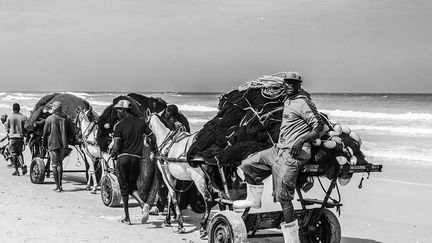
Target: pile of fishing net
{"x": 249, "y": 120}
{"x": 70, "y": 104}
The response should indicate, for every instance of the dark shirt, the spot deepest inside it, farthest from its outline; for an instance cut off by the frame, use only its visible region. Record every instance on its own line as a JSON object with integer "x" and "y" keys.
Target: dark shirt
{"x": 130, "y": 131}
{"x": 58, "y": 131}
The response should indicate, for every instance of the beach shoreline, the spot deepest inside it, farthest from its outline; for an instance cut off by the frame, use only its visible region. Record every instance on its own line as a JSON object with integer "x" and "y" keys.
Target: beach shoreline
{"x": 384, "y": 210}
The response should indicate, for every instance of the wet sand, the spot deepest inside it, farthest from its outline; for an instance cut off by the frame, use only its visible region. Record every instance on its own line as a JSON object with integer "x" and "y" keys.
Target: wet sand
{"x": 386, "y": 209}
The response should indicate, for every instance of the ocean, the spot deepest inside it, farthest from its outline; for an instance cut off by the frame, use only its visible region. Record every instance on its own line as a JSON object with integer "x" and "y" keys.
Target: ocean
{"x": 393, "y": 127}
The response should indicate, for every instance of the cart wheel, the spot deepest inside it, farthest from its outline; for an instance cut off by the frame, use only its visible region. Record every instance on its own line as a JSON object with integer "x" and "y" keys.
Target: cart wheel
{"x": 327, "y": 228}
{"x": 110, "y": 191}
{"x": 227, "y": 227}
{"x": 37, "y": 171}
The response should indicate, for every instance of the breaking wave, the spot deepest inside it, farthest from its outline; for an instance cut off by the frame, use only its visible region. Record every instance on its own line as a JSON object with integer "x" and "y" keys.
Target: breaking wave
{"x": 99, "y": 103}
{"x": 200, "y": 108}
{"x": 196, "y": 120}
{"x": 395, "y": 129}
{"x": 19, "y": 97}
{"x": 378, "y": 115}
{"x": 402, "y": 155}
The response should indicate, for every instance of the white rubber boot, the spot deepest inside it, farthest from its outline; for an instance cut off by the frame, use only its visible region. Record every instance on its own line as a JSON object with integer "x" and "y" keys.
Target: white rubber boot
{"x": 290, "y": 232}
{"x": 253, "y": 199}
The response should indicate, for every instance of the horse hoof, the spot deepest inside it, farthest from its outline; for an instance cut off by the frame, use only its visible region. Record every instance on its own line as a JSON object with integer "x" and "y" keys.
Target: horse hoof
{"x": 181, "y": 230}
{"x": 166, "y": 224}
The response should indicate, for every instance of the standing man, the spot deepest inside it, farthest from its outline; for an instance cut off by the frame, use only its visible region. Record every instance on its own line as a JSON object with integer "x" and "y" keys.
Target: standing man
{"x": 128, "y": 148}
{"x": 300, "y": 125}
{"x": 15, "y": 128}
{"x": 57, "y": 133}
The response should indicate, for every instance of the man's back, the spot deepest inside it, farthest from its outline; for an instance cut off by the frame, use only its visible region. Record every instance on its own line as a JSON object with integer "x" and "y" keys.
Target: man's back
{"x": 56, "y": 131}
{"x": 15, "y": 125}
{"x": 130, "y": 131}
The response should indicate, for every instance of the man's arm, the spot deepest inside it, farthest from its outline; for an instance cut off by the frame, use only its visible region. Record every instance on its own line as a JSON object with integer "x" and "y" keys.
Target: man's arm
{"x": 117, "y": 142}
{"x": 45, "y": 134}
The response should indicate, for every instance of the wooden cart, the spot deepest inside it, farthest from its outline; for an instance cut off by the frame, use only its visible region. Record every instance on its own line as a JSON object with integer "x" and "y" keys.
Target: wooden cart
{"x": 317, "y": 223}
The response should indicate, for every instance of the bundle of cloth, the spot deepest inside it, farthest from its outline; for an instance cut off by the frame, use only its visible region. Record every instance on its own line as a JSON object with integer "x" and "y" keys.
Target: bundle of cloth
{"x": 249, "y": 120}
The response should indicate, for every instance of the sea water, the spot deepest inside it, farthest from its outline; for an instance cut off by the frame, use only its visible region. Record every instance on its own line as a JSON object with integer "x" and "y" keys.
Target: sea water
{"x": 392, "y": 126}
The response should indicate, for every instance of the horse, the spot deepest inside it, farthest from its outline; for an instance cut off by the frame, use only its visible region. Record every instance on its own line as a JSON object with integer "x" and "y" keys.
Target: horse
{"x": 173, "y": 147}
{"x": 86, "y": 131}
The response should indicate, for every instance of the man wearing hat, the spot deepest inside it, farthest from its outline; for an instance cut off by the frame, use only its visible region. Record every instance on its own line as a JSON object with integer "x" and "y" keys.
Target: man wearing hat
{"x": 300, "y": 125}
{"x": 128, "y": 149}
{"x": 58, "y": 131}
{"x": 15, "y": 128}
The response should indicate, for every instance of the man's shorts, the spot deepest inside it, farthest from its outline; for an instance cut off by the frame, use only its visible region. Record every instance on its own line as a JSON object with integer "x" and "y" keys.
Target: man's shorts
{"x": 56, "y": 156}
{"x": 278, "y": 162}
{"x": 16, "y": 146}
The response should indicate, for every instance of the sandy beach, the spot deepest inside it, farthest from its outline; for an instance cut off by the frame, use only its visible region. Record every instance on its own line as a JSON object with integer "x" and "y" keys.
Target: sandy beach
{"x": 384, "y": 210}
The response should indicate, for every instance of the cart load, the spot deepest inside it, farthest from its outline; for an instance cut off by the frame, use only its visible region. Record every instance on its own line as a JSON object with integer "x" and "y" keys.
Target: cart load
{"x": 249, "y": 120}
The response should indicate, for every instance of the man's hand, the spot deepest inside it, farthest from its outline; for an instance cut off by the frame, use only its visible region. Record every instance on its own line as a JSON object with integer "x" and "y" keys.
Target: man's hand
{"x": 296, "y": 148}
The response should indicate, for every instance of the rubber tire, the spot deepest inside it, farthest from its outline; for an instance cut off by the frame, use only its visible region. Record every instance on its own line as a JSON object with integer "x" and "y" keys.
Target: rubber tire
{"x": 329, "y": 227}
{"x": 110, "y": 191}
{"x": 37, "y": 171}
{"x": 229, "y": 226}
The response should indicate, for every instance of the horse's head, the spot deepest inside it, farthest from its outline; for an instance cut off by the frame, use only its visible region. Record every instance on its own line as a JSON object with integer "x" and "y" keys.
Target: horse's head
{"x": 106, "y": 123}
{"x": 158, "y": 128}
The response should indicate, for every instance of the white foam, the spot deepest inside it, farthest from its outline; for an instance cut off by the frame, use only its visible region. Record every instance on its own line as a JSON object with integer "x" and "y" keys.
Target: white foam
{"x": 80, "y": 95}
{"x": 405, "y": 130}
{"x": 404, "y": 182}
{"x": 400, "y": 155}
{"x": 200, "y": 108}
{"x": 99, "y": 103}
{"x": 378, "y": 115}
{"x": 196, "y": 120}
{"x": 19, "y": 97}
{"x": 7, "y": 106}
{"x": 2, "y": 93}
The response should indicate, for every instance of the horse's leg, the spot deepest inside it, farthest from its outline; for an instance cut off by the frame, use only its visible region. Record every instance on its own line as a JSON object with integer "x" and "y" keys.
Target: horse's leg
{"x": 198, "y": 178}
{"x": 177, "y": 211}
{"x": 173, "y": 199}
{"x": 167, "y": 221}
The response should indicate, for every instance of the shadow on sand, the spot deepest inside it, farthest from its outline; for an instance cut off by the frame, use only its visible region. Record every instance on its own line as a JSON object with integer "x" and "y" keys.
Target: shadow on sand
{"x": 357, "y": 240}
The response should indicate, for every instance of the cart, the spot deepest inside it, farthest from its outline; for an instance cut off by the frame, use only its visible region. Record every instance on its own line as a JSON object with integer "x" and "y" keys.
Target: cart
{"x": 316, "y": 222}
{"x": 110, "y": 187}
{"x": 40, "y": 166}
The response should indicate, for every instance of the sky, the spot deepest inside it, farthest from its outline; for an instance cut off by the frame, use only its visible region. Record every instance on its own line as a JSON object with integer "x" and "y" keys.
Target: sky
{"x": 357, "y": 46}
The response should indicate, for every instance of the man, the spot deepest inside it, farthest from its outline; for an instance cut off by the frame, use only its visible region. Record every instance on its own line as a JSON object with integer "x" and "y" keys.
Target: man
{"x": 128, "y": 148}
{"x": 175, "y": 120}
{"x": 58, "y": 131}
{"x": 300, "y": 125}
{"x": 15, "y": 128}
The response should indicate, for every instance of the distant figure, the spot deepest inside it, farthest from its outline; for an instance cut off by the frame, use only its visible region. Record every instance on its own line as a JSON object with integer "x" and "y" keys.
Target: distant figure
{"x": 128, "y": 148}
{"x": 4, "y": 142}
{"x": 15, "y": 129}
{"x": 57, "y": 133}
{"x": 300, "y": 125}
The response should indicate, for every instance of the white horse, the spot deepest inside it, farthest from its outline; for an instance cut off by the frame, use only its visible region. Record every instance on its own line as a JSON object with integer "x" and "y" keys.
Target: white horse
{"x": 173, "y": 146}
{"x": 87, "y": 146}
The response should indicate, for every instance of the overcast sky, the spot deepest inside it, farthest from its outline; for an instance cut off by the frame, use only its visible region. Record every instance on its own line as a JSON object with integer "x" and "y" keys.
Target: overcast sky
{"x": 209, "y": 45}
